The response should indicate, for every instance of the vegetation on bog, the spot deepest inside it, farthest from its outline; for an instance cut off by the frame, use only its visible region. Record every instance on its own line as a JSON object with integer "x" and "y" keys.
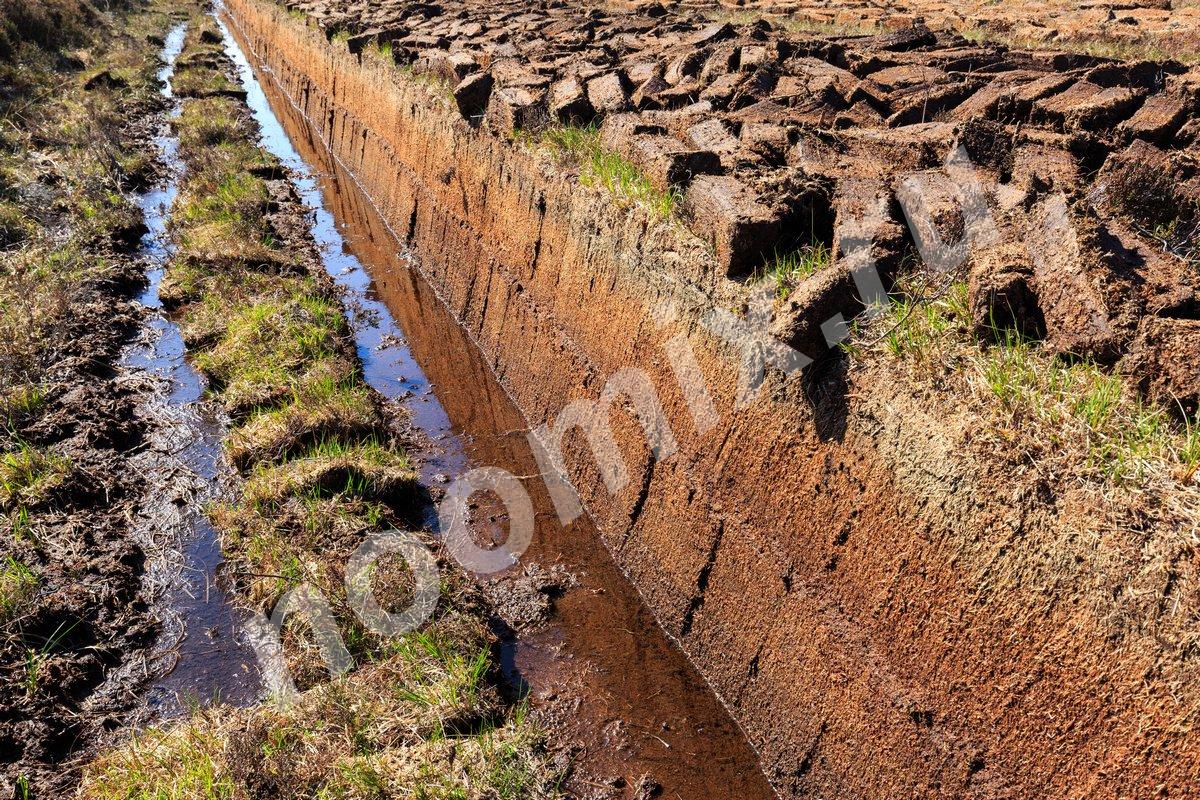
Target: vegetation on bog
{"x": 580, "y": 148}
{"x": 69, "y": 158}
{"x": 416, "y": 723}
{"x": 323, "y": 468}
{"x": 1073, "y": 417}
{"x": 785, "y": 270}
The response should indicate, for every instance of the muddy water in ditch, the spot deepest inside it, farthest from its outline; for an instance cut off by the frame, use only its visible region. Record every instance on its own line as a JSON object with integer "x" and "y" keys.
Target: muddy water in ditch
{"x": 601, "y": 669}
{"x": 201, "y": 655}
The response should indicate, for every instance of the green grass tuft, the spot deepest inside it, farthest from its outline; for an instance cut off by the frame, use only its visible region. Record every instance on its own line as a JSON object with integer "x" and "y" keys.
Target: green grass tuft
{"x": 786, "y": 270}
{"x": 581, "y": 148}
{"x": 18, "y": 584}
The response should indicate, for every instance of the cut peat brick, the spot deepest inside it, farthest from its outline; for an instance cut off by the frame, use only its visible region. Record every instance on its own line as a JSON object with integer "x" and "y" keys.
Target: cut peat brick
{"x": 569, "y": 102}
{"x": 1164, "y": 362}
{"x": 735, "y": 222}
{"x": 1087, "y": 104}
{"x": 513, "y": 109}
{"x": 1159, "y": 118}
{"x": 667, "y": 163}
{"x": 608, "y": 93}
{"x": 471, "y": 95}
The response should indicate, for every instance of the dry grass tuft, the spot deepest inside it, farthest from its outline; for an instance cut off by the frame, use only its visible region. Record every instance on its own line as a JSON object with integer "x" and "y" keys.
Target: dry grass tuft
{"x": 422, "y": 721}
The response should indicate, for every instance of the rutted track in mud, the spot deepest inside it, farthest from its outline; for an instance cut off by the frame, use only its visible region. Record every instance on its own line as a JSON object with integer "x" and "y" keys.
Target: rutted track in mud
{"x": 202, "y": 655}
{"x": 118, "y": 418}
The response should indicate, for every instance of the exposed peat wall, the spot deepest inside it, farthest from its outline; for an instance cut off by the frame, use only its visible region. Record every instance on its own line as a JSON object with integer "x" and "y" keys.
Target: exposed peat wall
{"x": 883, "y": 615}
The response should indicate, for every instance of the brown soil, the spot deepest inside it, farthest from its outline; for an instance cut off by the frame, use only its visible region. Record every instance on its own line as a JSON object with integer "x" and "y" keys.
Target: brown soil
{"x": 75, "y": 655}
{"x": 888, "y": 605}
{"x": 90, "y": 604}
{"x": 1163, "y": 27}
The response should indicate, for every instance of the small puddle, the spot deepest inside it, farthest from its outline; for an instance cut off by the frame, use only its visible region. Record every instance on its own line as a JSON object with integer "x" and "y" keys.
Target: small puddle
{"x": 201, "y": 655}
{"x": 601, "y": 668}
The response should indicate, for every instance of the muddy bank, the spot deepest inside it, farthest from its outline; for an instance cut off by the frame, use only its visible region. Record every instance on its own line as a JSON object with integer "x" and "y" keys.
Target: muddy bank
{"x": 885, "y": 607}
{"x": 201, "y": 655}
{"x": 82, "y": 421}
{"x": 351, "y": 707}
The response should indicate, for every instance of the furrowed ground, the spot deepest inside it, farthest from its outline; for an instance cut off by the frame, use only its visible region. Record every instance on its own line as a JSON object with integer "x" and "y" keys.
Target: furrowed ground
{"x": 967, "y": 529}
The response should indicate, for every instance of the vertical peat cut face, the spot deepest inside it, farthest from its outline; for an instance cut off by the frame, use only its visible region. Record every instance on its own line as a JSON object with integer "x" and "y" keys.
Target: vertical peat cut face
{"x": 894, "y": 594}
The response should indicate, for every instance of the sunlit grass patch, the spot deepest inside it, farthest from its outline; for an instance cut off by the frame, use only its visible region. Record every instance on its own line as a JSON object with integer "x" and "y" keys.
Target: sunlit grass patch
{"x": 29, "y": 475}
{"x": 270, "y": 342}
{"x": 370, "y": 470}
{"x": 202, "y": 82}
{"x": 580, "y": 147}
{"x": 18, "y": 583}
{"x": 1071, "y": 409}
{"x": 423, "y": 721}
{"x": 210, "y": 122}
{"x": 798, "y": 23}
{"x": 1145, "y": 48}
{"x": 321, "y": 410}
{"x": 184, "y": 762}
{"x": 787, "y": 269}
{"x": 20, "y": 402}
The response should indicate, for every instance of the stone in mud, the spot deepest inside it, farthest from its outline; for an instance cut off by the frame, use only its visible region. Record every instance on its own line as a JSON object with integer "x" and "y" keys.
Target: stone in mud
{"x": 1086, "y": 105}
{"x": 516, "y": 109}
{"x": 1154, "y": 186}
{"x": 741, "y": 228}
{"x": 472, "y": 94}
{"x": 684, "y": 66}
{"x": 723, "y": 59}
{"x": 1164, "y": 363}
{"x": 764, "y": 111}
{"x": 920, "y": 104}
{"x": 1037, "y": 168}
{"x": 753, "y": 56}
{"x": 619, "y": 130}
{"x": 864, "y": 212}
{"x": 105, "y": 80}
{"x": 569, "y": 102}
{"x": 720, "y": 92}
{"x": 608, "y": 94}
{"x": 448, "y": 67}
{"x": 933, "y": 206}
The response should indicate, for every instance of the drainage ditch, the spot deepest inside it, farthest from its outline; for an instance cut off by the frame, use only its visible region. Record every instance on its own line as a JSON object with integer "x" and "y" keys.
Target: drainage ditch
{"x": 597, "y": 667}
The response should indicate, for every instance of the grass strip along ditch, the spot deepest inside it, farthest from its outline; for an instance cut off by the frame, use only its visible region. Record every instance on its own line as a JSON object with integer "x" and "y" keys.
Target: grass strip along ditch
{"x": 420, "y": 715}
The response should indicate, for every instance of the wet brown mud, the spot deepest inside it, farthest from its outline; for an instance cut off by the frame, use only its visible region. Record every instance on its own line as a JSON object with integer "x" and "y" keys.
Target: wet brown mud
{"x": 619, "y": 698}
{"x": 200, "y": 656}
